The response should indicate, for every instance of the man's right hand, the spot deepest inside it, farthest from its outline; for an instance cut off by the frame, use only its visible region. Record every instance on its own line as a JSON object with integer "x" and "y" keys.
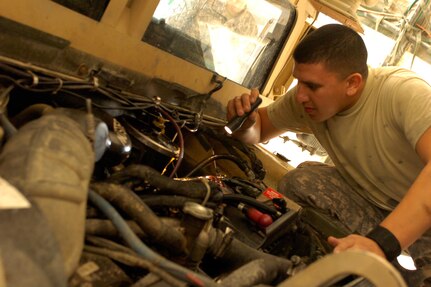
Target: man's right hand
{"x": 240, "y": 105}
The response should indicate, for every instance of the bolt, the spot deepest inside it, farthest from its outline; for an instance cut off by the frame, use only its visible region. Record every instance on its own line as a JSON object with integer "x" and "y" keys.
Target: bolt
{"x": 83, "y": 70}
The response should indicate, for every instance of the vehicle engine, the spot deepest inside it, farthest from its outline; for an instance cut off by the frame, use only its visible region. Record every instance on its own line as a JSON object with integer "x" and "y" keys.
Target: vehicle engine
{"x": 125, "y": 184}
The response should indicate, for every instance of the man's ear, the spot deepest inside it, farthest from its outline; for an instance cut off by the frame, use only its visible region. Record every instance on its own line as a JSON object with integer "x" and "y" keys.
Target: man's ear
{"x": 353, "y": 84}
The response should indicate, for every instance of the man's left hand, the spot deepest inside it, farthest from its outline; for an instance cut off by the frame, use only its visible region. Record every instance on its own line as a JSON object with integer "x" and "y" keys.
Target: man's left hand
{"x": 354, "y": 241}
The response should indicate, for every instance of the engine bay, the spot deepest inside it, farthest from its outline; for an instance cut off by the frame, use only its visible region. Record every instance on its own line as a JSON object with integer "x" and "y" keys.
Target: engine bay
{"x": 144, "y": 157}
{"x": 172, "y": 200}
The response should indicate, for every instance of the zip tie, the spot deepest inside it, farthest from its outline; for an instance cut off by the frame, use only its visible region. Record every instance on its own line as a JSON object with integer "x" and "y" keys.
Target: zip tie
{"x": 35, "y": 79}
{"x": 96, "y": 83}
{"x": 60, "y": 86}
{"x": 208, "y": 188}
{"x": 157, "y": 100}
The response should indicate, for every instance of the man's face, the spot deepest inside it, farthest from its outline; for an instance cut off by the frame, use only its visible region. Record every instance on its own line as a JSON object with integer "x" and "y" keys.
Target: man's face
{"x": 321, "y": 92}
{"x": 235, "y": 6}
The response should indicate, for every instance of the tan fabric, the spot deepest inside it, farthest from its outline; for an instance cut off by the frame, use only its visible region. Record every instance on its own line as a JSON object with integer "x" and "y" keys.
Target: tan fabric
{"x": 373, "y": 143}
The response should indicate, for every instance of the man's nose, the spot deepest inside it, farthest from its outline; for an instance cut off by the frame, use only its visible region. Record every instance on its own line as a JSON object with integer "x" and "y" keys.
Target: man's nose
{"x": 301, "y": 94}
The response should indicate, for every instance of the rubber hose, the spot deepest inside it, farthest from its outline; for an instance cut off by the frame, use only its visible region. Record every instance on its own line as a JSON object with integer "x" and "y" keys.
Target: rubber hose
{"x": 143, "y": 250}
{"x": 259, "y": 271}
{"x": 31, "y": 113}
{"x": 163, "y": 183}
{"x": 171, "y": 201}
{"x": 236, "y": 253}
{"x": 105, "y": 228}
{"x": 237, "y": 198}
{"x": 150, "y": 223}
{"x": 239, "y": 162}
{"x": 136, "y": 261}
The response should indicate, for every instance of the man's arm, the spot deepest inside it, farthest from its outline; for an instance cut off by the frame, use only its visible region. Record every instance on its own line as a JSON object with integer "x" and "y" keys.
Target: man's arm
{"x": 411, "y": 218}
{"x": 257, "y": 128}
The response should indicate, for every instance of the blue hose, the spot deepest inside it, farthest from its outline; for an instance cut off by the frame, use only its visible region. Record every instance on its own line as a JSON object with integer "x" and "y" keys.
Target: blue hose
{"x": 143, "y": 250}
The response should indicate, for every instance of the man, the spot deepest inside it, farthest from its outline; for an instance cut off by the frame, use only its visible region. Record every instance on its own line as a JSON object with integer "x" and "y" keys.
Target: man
{"x": 206, "y": 19}
{"x": 231, "y": 14}
{"x": 375, "y": 126}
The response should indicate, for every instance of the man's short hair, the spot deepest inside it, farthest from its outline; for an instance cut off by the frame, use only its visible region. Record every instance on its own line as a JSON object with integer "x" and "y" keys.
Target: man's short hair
{"x": 340, "y": 48}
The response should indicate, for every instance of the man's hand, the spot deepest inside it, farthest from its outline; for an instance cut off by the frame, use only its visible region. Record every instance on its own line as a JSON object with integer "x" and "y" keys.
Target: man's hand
{"x": 354, "y": 241}
{"x": 240, "y": 105}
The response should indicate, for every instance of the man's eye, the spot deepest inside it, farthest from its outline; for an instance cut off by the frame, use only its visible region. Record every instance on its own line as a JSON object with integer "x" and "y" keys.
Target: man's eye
{"x": 312, "y": 87}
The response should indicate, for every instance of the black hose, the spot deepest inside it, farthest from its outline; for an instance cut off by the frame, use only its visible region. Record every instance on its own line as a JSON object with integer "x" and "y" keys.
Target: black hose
{"x": 230, "y": 253}
{"x": 164, "y": 184}
{"x": 109, "y": 244}
{"x": 259, "y": 271}
{"x": 136, "y": 261}
{"x": 195, "y": 279}
{"x": 246, "y": 187}
{"x": 105, "y": 228}
{"x": 31, "y": 113}
{"x": 241, "y": 163}
{"x": 150, "y": 223}
{"x": 8, "y": 127}
{"x": 233, "y": 145}
{"x": 171, "y": 201}
{"x": 234, "y": 199}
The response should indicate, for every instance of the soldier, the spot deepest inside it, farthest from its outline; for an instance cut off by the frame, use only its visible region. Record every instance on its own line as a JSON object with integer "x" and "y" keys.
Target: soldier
{"x": 207, "y": 15}
{"x": 375, "y": 125}
{"x": 231, "y": 14}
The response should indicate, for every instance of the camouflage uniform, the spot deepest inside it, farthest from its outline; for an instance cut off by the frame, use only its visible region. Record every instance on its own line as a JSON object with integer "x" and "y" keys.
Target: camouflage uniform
{"x": 193, "y": 21}
{"x": 317, "y": 185}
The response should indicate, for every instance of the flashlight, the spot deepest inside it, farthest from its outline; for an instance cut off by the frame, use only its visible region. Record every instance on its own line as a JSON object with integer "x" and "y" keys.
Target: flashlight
{"x": 235, "y": 123}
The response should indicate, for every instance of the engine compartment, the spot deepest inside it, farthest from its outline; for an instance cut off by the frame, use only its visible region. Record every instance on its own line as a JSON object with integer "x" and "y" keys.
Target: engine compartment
{"x": 194, "y": 198}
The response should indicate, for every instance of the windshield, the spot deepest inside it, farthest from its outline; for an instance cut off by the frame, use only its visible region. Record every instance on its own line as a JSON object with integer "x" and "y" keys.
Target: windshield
{"x": 237, "y": 39}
